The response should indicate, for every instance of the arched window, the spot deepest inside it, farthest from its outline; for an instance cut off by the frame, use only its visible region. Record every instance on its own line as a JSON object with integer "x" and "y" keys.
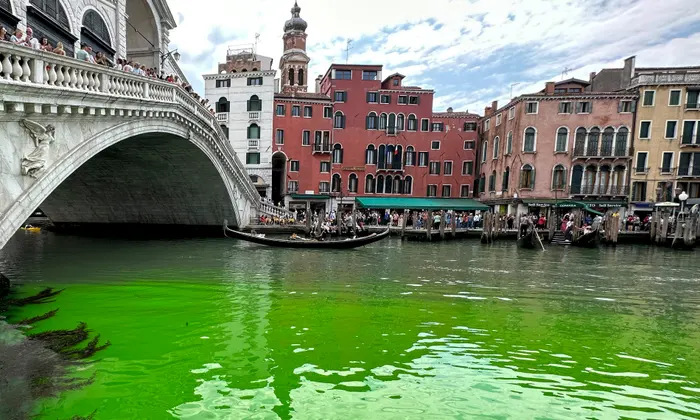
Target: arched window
{"x": 382, "y": 121}
{"x": 339, "y": 120}
{"x": 371, "y": 123}
{"x": 509, "y": 143}
{"x": 335, "y": 183}
{"x": 291, "y": 77}
{"x": 381, "y": 157}
{"x": 380, "y": 184}
{"x": 412, "y": 123}
{"x": 371, "y": 155}
{"x": 396, "y": 160}
{"x": 562, "y": 140}
{"x": 254, "y": 103}
{"x": 244, "y": 71}
{"x": 621, "y": 142}
{"x": 253, "y": 131}
{"x": 496, "y": 144}
{"x": 590, "y": 176}
{"x": 410, "y": 156}
{"x": 94, "y": 32}
{"x": 482, "y": 183}
{"x": 484, "y": 152}
{"x": 580, "y": 142}
{"x": 592, "y": 146}
{"x": 391, "y": 128}
{"x": 388, "y": 184}
{"x": 337, "y": 153}
{"x": 604, "y": 180}
{"x": 398, "y": 185}
{"x": 606, "y": 146}
{"x": 352, "y": 183}
{"x": 48, "y": 19}
{"x": 618, "y": 183}
{"x": 390, "y": 148}
{"x": 558, "y": 177}
{"x": 254, "y": 69}
{"x": 369, "y": 184}
{"x": 408, "y": 185}
{"x": 576, "y": 179}
{"x": 301, "y": 77}
{"x": 400, "y": 122}
{"x": 504, "y": 182}
{"x": 527, "y": 177}
{"x": 223, "y": 105}
{"x": 530, "y": 142}
{"x": 492, "y": 181}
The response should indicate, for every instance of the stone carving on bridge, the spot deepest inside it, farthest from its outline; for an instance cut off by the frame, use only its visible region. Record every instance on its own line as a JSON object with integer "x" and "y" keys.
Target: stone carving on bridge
{"x": 33, "y": 164}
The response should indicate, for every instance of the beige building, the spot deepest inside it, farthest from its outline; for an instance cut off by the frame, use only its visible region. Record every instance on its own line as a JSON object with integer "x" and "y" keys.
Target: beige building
{"x": 666, "y": 156}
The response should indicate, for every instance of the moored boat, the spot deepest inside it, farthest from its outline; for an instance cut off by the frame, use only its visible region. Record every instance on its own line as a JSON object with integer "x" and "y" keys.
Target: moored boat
{"x": 587, "y": 240}
{"x": 528, "y": 240}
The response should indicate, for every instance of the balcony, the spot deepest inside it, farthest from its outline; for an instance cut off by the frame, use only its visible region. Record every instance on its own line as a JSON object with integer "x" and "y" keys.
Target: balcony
{"x": 689, "y": 141}
{"x": 602, "y": 190}
{"x": 689, "y": 171}
{"x": 668, "y": 170}
{"x": 693, "y": 106}
{"x": 222, "y": 117}
{"x": 606, "y": 151}
{"x": 253, "y": 144}
{"x": 639, "y": 170}
{"x": 665, "y": 79}
{"x": 254, "y": 115}
{"x": 322, "y": 148}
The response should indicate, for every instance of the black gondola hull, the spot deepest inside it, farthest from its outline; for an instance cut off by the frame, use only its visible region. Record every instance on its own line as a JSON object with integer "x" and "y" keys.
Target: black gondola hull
{"x": 588, "y": 240}
{"x": 527, "y": 241}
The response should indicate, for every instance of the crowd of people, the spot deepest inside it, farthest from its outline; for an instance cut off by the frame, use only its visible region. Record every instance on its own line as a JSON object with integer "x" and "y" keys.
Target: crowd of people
{"x": 86, "y": 53}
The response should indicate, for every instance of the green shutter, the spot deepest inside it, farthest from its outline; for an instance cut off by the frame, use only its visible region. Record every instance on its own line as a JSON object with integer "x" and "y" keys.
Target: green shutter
{"x": 532, "y": 179}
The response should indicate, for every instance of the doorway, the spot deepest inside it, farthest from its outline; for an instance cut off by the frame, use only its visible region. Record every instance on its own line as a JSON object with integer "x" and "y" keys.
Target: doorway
{"x": 279, "y": 174}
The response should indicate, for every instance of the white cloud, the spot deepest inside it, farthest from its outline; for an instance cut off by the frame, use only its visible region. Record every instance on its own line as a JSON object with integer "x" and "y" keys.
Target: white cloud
{"x": 526, "y": 41}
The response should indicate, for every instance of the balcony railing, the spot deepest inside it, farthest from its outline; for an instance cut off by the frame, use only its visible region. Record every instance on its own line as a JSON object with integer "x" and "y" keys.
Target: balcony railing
{"x": 621, "y": 151}
{"x": 689, "y": 141}
{"x": 222, "y": 117}
{"x": 253, "y": 143}
{"x": 695, "y": 105}
{"x": 254, "y": 115}
{"x": 610, "y": 190}
{"x": 641, "y": 170}
{"x": 322, "y": 148}
{"x": 668, "y": 170}
{"x": 665, "y": 79}
{"x": 689, "y": 171}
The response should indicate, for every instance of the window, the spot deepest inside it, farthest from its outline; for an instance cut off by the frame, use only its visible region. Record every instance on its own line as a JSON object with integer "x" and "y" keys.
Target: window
{"x": 255, "y": 81}
{"x": 296, "y": 111}
{"x": 558, "y": 177}
{"x": 385, "y": 99}
{"x": 621, "y": 142}
{"x": 371, "y": 155}
{"x": 380, "y": 184}
{"x": 469, "y": 126}
{"x": 413, "y": 100}
{"x": 369, "y": 184}
{"x": 371, "y": 97}
{"x": 435, "y": 145}
{"x": 639, "y": 191}
{"x": 254, "y": 131}
{"x": 335, "y": 183}
{"x": 327, "y": 112}
{"x": 666, "y": 162}
{"x": 339, "y": 120}
{"x": 434, "y": 168}
{"x": 674, "y": 98}
{"x": 308, "y": 112}
{"x": 410, "y": 156}
{"x": 574, "y": 90}
{"x": 352, "y": 183}
{"x": 306, "y": 138}
{"x": 324, "y": 187}
{"x": 392, "y": 124}
{"x": 254, "y": 104}
{"x": 432, "y": 191}
{"x": 692, "y": 98}
{"x": 403, "y": 100}
{"x": 584, "y": 107}
{"x": 408, "y": 185}
{"x": 498, "y": 119}
{"x": 469, "y": 145}
{"x": 562, "y": 140}
{"x": 496, "y": 145}
{"x": 279, "y": 110}
{"x": 626, "y": 107}
{"x": 424, "y": 124}
{"x": 382, "y": 121}
{"x": 343, "y": 74}
{"x": 649, "y": 96}
{"x": 369, "y": 75}
{"x": 325, "y": 166}
{"x": 641, "y": 165}
{"x": 412, "y": 123}
{"x": 293, "y": 186}
{"x": 532, "y": 108}
{"x": 371, "y": 122}
{"x": 436, "y": 126}
{"x": 509, "y": 143}
{"x": 484, "y": 151}
{"x": 671, "y": 129}
{"x": 530, "y": 143}
{"x": 223, "y": 105}
{"x": 341, "y": 96}
{"x": 223, "y": 83}
{"x": 337, "y": 153}
{"x": 293, "y": 166}
{"x": 645, "y": 130}
{"x": 689, "y": 164}
{"x": 487, "y": 125}
{"x": 396, "y": 82}
{"x": 559, "y": 90}
{"x": 447, "y": 168}
{"x": 690, "y": 133}
{"x": 467, "y": 167}
{"x": 511, "y": 113}
{"x": 400, "y": 122}
{"x": 423, "y": 159}
{"x": 492, "y": 181}
{"x": 505, "y": 180}
{"x": 606, "y": 146}
{"x": 565, "y": 107}
{"x": 464, "y": 191}
{"x": 252, "y": 158}
{"x": 279, "y": 137}
{"x": 527, "y": 177}
{"x": 446, "y": 190}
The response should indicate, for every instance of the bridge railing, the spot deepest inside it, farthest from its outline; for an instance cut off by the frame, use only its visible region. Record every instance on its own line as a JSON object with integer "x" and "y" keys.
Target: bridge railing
{"x": 23, "y": 65}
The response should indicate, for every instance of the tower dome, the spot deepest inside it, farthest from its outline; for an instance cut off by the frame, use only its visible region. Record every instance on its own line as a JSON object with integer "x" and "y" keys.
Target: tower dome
{"x": 296, "y": 23}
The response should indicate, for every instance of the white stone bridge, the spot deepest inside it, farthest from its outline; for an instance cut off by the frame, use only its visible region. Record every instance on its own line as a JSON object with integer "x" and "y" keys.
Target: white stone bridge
{"x": 90, "y": 144}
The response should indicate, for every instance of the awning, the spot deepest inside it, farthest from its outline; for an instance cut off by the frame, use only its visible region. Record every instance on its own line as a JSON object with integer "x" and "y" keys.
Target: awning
{"x": 419, "y": 203}
{"x": 309, "y": 196}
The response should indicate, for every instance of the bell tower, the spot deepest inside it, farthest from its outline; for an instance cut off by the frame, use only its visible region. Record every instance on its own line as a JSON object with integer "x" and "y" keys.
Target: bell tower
{"x": 294, "y": 64}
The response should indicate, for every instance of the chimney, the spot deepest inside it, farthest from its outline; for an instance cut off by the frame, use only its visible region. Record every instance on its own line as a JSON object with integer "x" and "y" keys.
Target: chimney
{"x": 591, "y": 77}
{"x": 628, "y": 72}
{"x": 318, "y": 83}
{"x": 487, "y": 111}
{"x": 549, "y": 88}
{"x": 494, "y": 106}
{"x": 449, "y": 110}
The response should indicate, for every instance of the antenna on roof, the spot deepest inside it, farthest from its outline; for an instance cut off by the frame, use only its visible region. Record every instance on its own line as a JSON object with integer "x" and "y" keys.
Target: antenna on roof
{"x": 255, "y": 46}
{"x": 347, "y": 49}
{"x": 565, "y": 72}
{"x": 511, "y": 89}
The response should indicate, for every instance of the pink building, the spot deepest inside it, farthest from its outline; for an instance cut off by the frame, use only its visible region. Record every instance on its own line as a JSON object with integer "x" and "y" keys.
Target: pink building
{"x": 563, "y": 142}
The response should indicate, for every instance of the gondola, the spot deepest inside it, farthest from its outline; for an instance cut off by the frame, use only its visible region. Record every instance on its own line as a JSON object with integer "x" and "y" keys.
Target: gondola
{"x": 305, "y": 243}
{"x": 528, "y": 240}
{"x": 587, "y": 240}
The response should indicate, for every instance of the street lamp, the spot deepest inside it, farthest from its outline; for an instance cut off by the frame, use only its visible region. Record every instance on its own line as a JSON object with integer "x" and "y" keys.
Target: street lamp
{"x": 683, "y": 197}
{"x": 164, "y": 56}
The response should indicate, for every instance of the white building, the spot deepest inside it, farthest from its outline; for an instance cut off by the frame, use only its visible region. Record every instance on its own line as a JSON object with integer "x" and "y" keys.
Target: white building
{"x": 242, "y": 95}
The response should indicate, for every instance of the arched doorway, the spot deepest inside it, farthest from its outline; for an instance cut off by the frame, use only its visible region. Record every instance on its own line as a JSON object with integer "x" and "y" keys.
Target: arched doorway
{"x": 95, "y": 33}
{"x": 279, "y": 174}
{"x": 142, "y": 40}
{"x": 48, "y": 18}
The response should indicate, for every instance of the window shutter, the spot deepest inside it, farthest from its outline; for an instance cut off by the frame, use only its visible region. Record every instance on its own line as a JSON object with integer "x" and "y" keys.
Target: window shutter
{"x": 345, "y": 96}
{"x": 368, "y": 97}
{"x": 532, "y": 179}
{"x": 579, "y": 107}
{"x": 388, "y": 99}
{"x": 619, "y": 107}
{"x": 590, "y": 106}
{"x": 634, "y": 106}
{"x": 248, "y": 105}
{"x": 367, "y": 122}
{"x": 417, "y": 100}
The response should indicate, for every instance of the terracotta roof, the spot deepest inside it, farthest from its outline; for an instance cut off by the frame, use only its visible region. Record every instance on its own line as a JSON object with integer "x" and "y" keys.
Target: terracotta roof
{"x": 412, "y": 88}
{"x": 455, "y": 115}
{"x": 572, "y": 80}
{"x": 303, "y": 95}
{"x": 393, "y": 75}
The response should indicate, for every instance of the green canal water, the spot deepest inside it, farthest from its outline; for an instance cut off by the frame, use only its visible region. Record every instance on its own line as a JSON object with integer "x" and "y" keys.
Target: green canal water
{"x": 204, "y": 329}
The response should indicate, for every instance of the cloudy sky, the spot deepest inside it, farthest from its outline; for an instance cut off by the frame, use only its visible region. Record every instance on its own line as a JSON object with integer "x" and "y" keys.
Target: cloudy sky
{"x": 469, "y": 51}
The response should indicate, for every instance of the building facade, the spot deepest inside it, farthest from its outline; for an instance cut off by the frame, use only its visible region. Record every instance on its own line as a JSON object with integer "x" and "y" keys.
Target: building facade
{"x": 562, "y": 143}
{"x": 242, "y": 95}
